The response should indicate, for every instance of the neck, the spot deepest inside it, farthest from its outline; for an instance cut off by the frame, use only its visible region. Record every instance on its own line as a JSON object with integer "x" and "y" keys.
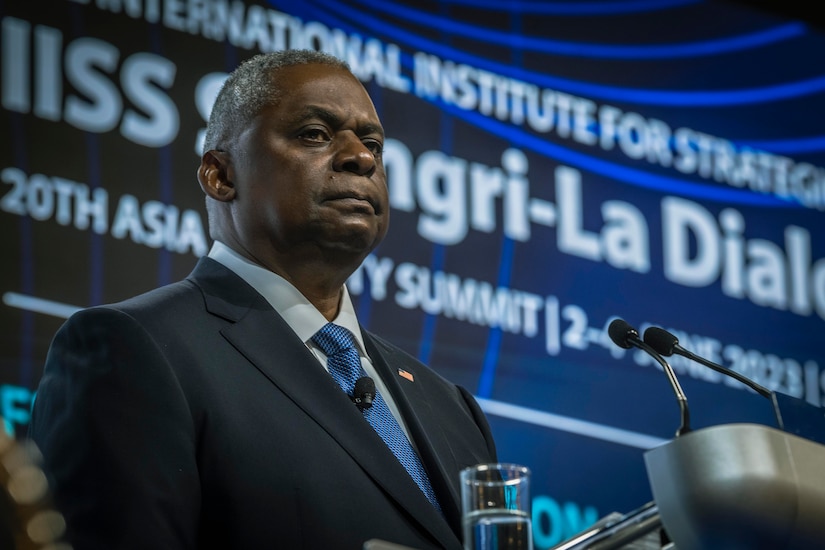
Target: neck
{"x": 319, "y": 277}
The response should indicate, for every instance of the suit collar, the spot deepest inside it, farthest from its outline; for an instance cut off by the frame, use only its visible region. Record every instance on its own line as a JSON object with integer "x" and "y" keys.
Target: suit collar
{"x": 225, "y": 293}
{"x": 264, "y": 338}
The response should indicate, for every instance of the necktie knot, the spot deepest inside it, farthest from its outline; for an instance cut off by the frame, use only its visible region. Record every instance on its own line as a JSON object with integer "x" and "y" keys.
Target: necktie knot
{"x": 343, "y": 360}
{"x": 333, "y": 339}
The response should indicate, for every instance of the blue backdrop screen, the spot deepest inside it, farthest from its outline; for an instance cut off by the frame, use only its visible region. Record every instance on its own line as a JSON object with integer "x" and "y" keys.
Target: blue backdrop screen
{"x": 552, "y": 166}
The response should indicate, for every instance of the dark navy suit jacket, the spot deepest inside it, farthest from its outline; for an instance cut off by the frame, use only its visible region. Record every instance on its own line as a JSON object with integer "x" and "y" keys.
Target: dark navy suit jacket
{"x": 193, "y": 417}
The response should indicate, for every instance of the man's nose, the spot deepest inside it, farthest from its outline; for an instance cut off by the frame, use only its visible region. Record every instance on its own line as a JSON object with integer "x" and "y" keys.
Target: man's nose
{"x": 354, "y": 156}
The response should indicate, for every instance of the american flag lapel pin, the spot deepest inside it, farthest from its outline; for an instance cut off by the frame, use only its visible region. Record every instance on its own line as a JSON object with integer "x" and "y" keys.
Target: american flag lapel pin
{"x": 404, "y": 374}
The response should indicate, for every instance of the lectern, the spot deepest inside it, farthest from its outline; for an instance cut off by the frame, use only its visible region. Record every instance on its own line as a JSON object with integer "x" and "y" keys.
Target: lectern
{"x": 740, "y": 486}
{"x": 730, "y": 487}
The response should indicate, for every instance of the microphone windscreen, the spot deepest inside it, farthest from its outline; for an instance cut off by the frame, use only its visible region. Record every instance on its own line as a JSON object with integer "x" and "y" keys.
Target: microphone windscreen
{"x": 620, "y": 332}
{"x": 661, "y": 340}
{"x": 363, "y": 386}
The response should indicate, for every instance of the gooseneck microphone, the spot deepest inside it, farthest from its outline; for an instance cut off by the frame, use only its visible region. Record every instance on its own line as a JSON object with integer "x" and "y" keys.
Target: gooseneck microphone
{"x": 667, "y": 344}
{"x": 364, "y": 393}
{"x": 625, "y": 336}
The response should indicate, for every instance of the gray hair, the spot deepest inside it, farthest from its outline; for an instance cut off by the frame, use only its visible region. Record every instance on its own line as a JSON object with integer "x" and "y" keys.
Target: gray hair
{"x": 251, "y": 87}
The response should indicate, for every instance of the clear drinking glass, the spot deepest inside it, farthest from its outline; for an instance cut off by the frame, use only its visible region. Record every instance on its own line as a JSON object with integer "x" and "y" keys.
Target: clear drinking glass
{"x": 495, "y": 507}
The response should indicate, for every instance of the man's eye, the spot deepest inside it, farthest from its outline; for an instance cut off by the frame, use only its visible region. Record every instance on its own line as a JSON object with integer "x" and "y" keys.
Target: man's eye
{"x": 314, "y": 134}
{"x": 375, "y": 147}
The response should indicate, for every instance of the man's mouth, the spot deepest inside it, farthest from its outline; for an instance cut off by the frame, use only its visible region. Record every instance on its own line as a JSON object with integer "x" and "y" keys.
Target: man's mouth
{"x": 353, "y": 201}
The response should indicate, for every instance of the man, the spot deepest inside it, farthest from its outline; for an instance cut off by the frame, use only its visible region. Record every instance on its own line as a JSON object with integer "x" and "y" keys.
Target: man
{"x": 202, "y": 414}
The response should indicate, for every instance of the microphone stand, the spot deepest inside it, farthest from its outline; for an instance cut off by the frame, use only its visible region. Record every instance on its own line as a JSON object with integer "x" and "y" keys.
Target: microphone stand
{"x": 625, "y": 336}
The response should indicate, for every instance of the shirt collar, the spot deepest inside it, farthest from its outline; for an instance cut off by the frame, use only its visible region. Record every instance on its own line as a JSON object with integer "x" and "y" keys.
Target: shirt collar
{"x": 303, "y": 317}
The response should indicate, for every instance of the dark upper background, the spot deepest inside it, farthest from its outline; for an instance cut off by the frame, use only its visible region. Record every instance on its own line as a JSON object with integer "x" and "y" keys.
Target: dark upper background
{"x": 809, "y": 11}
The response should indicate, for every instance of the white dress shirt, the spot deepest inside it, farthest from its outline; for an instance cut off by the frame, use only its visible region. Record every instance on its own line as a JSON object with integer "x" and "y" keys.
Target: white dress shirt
{"x": 303, "y": 317}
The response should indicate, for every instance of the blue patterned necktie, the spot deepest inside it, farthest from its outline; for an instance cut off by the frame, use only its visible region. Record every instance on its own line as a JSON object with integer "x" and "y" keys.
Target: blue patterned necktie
{"x": 344, "y": 365}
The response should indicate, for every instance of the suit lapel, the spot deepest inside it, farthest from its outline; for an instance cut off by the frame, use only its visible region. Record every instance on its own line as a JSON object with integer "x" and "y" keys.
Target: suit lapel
{"x": 424, "y": 426}
{"x": 264, "y": 338}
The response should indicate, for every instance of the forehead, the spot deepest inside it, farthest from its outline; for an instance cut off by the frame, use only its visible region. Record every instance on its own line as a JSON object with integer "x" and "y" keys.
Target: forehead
{"x": 331, "y": 88}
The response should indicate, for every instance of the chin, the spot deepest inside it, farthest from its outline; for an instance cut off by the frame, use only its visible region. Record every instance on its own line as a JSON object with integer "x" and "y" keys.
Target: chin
{"x": 354, "y": 246}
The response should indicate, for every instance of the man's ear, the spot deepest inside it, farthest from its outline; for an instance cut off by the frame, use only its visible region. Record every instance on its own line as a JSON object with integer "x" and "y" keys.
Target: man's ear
{"x": 213, "y": 175}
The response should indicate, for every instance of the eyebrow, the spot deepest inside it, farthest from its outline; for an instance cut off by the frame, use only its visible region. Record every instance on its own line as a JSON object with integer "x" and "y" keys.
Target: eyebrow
{"x": 313, "y": 111}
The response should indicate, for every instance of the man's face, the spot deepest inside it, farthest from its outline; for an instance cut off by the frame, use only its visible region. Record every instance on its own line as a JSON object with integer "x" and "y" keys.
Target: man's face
{"x": 308, "y": 171}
